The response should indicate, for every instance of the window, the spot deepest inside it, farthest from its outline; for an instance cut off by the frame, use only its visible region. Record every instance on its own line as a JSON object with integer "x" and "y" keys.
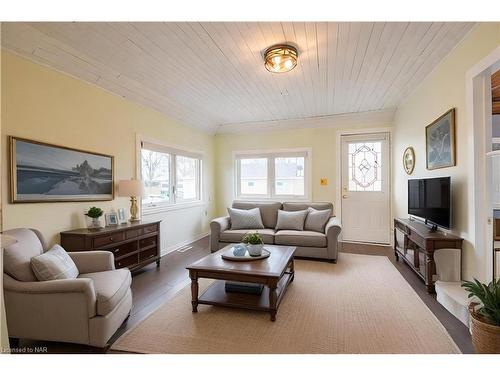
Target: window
{"x": 170, "y": 176}
{"x": 281, "y": 174}
{"x": 365, "y": 167}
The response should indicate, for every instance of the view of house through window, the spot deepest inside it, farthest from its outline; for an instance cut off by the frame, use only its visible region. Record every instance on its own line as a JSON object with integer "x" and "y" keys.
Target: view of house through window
{"x": 272, "y": 175}
{"x": 169, "y": 176}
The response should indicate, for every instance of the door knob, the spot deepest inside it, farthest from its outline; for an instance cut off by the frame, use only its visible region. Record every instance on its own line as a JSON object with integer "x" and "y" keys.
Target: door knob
{"x": 344, "y": 196}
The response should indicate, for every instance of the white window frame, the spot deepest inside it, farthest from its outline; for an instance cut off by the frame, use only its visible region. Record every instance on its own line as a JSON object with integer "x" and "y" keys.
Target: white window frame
{"x": 271, "y": 155}
{"x": 173, "y": 151}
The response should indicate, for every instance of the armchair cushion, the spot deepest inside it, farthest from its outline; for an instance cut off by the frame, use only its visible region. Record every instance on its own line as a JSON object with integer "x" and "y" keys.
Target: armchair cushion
{"x": 110, "y": 288}
{"x": 54, "y": 264}
{"x": 93, "y": 261}
{"x": 17, "y": 257}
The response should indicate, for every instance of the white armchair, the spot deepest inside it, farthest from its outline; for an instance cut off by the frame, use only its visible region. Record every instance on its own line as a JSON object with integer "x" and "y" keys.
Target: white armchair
{"x": 86, "y": 310}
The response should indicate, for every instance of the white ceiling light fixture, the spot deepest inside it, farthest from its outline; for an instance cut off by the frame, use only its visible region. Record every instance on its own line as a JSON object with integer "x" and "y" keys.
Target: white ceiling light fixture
{"x": 280, "y": 58}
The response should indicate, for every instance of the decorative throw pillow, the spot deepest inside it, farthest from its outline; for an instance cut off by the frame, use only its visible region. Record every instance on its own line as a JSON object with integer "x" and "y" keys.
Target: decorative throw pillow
{"x": 291, "y": 220}
{"x": 54, "y": 264}
{"x": 245, "y": 219}
{"x": 316, "y": 219}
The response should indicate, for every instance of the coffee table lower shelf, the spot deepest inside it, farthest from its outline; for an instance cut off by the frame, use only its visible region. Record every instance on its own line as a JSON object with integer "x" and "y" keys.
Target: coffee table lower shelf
{"x": 216, "y": 295}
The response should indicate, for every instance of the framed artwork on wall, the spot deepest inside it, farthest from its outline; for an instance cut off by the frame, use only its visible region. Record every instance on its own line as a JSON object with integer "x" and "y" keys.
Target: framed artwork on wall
{"x": 440, "y": 141}
{"x": 43, "y": 172}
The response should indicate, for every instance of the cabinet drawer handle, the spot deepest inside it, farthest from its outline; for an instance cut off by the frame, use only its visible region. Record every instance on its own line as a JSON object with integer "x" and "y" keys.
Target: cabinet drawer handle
{"x": 119, "y": 264}
{"x": 116, "y": 250}
{"x": 111, "y": 238}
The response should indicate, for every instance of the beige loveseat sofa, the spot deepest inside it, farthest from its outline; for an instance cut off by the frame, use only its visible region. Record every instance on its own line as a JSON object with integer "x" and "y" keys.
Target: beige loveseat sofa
{"x": 86, "y": 310}
{"x": 309, "y": 244}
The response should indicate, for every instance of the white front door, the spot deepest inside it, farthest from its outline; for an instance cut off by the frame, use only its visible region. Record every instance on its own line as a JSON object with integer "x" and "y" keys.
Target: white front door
{"x": 366, "y": 211}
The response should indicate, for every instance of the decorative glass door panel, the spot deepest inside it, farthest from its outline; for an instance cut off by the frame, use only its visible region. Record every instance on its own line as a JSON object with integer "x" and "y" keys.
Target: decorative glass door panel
{"x": 365, "y": 163}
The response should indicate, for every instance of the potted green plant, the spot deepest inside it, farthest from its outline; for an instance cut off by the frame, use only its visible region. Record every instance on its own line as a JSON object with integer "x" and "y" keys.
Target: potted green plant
{"x": 95, "y": 214}
{"x": 254, "y": 243}
{"x": 485, "y": 316}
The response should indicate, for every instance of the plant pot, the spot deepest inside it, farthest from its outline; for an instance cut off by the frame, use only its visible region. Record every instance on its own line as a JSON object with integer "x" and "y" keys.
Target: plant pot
{"x": 485, "y": 336}
{"x": 255, "y": 250}
{"x": 95, "y": 223}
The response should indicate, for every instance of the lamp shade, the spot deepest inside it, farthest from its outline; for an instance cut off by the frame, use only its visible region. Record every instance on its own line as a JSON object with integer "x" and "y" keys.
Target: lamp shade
{"x": 130, "y": 188}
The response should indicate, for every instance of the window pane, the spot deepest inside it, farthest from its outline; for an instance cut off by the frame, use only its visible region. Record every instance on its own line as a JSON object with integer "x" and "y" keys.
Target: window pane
{"x": 187, "y": 178}
{"x": 253, "y": 174}
{"x": 289, "y": 173}
{"x": 155, "y": 169}
{"x": 365, "y": 173}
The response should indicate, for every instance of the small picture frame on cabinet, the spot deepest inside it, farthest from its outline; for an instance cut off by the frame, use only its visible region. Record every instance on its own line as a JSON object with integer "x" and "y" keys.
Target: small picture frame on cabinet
{"x": 122, "y": 216}
{"x": 111, "y": 219}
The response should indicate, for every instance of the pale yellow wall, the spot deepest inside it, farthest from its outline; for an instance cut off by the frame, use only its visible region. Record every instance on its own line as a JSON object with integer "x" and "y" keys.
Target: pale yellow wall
{"x": 322, "y": 141}
{"x": 443, "y": 89}
{"x": 4, "y": 338}
{"x": 42, "y": 104}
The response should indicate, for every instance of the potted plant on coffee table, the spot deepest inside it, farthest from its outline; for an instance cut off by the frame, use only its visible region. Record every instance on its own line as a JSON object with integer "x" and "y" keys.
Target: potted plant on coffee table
{"x": 94, "y": 213}
{"x": 485, "y": 316}
{"x": 254, "y": 243}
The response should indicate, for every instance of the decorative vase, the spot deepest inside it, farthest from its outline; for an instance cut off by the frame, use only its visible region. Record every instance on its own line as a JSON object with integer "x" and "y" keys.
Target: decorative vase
{"x": 95, "y": 223}
{"x": 255, "y": 250}
{"x": 485, "y": 336}
{"x": 239, "y": 250}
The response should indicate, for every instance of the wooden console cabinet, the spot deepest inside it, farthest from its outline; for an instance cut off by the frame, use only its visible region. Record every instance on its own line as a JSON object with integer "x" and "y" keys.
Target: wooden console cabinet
{"x": 133, "y": 244}
{"x": 415, "y": 244}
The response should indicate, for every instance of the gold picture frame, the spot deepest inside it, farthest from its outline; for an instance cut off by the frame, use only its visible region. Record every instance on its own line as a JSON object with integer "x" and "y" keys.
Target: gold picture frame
{"x": 409, "y": 160}
{"x": 54, "y": 173}
{"x": 440, "y": 143}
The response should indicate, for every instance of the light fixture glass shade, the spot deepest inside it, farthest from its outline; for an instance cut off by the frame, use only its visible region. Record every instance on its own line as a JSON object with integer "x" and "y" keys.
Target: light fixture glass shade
{"x": 280, "y": 58}
{"x": 130, "y": 188}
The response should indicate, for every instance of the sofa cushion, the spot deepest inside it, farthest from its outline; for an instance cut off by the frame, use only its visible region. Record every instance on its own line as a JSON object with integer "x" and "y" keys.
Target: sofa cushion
{"x": 237, "y": 234}
{"x": 316, "y": 220}
{"x": 110, "y": 287}
{"x": 54, "y": 264}
{"x": 300, "y": 238}
{"x": 300, "y": 206}
{"x": 17, "y": 257}
{"x": 268, "y": 211}
{"x": 245, "y": 219}
{"x": 291, "y": 220}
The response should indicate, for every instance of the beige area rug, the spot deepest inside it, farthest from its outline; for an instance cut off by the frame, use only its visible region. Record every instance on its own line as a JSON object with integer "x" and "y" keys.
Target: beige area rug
{"x": 359, "y": 305}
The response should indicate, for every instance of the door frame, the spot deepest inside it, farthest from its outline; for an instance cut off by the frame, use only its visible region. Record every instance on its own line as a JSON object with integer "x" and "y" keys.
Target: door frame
{"x": 338, "y": 172}
{"x": 478, "y": 110}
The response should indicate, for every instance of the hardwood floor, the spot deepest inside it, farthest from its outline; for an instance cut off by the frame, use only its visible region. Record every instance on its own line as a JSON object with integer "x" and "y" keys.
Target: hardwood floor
{"x": 152, "y": 286}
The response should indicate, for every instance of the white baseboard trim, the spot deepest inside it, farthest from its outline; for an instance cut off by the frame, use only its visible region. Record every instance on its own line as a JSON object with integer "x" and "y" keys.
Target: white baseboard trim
{"x": 183, "y": 243}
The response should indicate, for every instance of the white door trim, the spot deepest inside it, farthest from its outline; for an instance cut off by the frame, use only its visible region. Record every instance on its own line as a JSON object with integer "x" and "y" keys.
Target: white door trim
{"x": 338, "y": 166}
{"x": 477, "y": 79}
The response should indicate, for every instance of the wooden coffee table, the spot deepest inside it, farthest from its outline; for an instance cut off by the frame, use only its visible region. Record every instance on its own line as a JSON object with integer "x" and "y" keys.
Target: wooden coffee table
{"x": 275, "y": 272}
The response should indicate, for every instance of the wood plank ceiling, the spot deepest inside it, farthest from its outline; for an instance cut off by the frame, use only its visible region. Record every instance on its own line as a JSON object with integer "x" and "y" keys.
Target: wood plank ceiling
{"x": 212, "y": 74}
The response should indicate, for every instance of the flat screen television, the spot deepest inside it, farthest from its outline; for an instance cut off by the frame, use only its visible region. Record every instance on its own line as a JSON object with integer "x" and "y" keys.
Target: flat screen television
{"x": 430, "y": 199}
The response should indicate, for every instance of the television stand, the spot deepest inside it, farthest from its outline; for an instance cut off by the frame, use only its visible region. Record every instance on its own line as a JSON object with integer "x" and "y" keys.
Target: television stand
{"x": 415, "y": 244}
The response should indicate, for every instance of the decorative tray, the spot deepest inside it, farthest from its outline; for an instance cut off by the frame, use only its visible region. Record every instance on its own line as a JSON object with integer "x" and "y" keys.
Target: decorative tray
{"x": 228, "y": 255}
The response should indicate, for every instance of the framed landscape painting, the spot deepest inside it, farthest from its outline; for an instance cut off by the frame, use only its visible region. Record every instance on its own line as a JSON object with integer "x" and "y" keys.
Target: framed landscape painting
{"x": 42, "y": 172}
{"x": 440, "y": 141}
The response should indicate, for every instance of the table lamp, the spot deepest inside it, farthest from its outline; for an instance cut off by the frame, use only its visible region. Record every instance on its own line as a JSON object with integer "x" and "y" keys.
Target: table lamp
{"x": 132, "y": 189}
